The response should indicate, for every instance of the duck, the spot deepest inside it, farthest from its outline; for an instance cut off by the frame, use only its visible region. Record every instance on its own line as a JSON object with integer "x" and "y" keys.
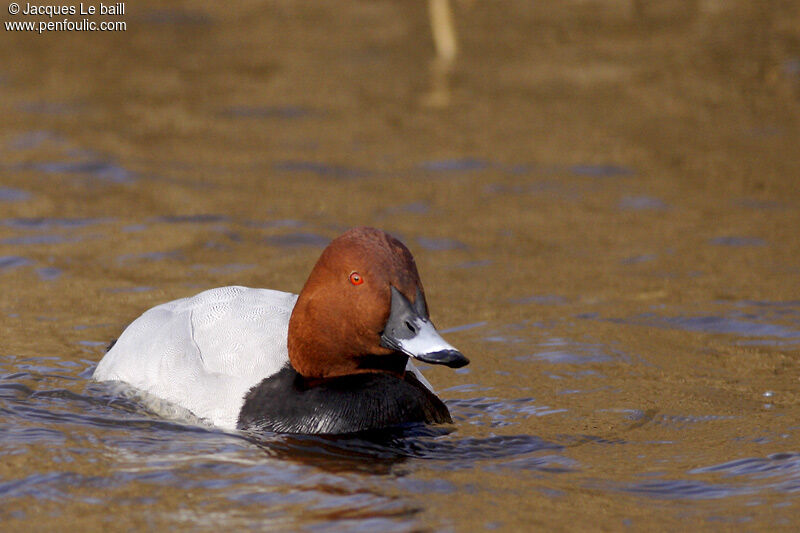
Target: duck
{"x": 334, "y": 359}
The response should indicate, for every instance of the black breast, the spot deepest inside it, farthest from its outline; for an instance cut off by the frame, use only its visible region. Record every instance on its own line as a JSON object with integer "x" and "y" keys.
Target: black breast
{"x": 285, "y": 403}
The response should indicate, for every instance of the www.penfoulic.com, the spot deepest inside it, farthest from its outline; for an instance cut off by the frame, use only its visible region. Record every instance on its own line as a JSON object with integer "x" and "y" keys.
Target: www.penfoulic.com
{"x": 67, "y": 24}
{"x": 64, "y": 25}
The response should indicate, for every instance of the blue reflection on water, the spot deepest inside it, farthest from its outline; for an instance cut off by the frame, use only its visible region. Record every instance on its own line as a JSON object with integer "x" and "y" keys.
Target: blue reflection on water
{"x": 13, "y": 261}
{"x": 104, "y": 170}
{"x": 13, "y": 195}
{"x": 320, "y": 169}
{"x": 733, "y": 240}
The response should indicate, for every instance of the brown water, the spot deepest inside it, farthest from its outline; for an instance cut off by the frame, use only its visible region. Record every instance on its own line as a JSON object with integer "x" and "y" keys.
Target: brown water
{"x": 603, "y": 198}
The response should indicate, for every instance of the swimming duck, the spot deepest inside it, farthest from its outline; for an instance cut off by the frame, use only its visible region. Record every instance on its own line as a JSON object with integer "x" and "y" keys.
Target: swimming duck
{"x": 333, "y": 359}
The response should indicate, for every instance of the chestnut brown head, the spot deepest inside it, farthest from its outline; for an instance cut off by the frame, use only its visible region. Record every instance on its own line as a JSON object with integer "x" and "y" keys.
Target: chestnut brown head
{"x": 363, "y": 309}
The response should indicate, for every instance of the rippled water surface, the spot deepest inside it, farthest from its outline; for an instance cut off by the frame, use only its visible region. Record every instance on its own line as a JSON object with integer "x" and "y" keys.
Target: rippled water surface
{"x": 603, "y": 199}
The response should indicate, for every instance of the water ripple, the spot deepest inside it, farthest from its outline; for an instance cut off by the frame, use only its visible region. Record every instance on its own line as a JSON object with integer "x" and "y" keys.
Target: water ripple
{"x": 8, "y": 262}
{"x": 671, "y": 489}
{"x": 13, "y": 195}
{"x": 714, "y": 324}
{"x": 772, "y": 465}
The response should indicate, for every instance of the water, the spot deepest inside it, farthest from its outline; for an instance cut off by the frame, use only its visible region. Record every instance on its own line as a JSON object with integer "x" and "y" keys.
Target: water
{"x": 601, "y": 197}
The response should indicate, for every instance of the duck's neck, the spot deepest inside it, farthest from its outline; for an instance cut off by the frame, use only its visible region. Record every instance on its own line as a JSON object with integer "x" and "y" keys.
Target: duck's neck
{"x": 318, "y": 369}
{"x": 394, "y": 364}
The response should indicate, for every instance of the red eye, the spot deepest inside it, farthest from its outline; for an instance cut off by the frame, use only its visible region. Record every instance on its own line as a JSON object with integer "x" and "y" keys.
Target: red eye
{"x": 356, "y": 279}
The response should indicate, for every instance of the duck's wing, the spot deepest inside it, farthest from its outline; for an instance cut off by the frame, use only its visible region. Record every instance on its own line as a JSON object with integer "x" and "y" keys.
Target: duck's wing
{"x": 205, "y": 352}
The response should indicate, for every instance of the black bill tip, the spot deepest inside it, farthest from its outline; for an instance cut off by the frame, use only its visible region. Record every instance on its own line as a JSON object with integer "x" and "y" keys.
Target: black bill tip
{"x": 451, "y": 358}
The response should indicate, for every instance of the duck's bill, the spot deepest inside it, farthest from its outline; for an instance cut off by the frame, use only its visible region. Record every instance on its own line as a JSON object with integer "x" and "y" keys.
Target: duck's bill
{"x": 408, "y": 330}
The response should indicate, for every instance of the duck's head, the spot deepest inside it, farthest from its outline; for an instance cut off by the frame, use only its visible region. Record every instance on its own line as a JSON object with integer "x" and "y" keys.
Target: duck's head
{"x": 363, "y": 309}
